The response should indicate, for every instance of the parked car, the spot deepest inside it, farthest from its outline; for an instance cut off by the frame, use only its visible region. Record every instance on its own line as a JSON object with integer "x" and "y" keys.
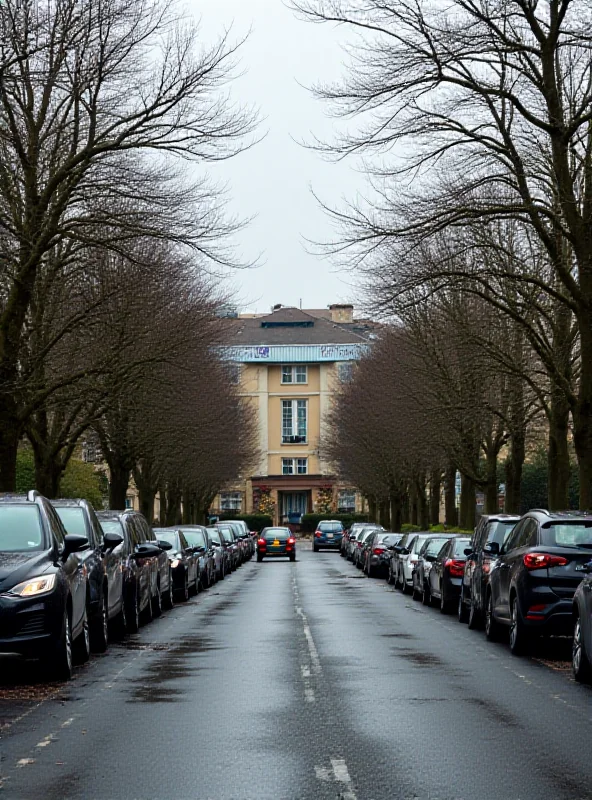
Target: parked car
{"x": 277, "y": 541}
{"x": 197, "y": 537}
{"x": 140, "y": 564}
{"x": 222, "y": 555}
{"x": 533, "y": 582}
{"x": 242, "y": 530}
{"x": 231, "y": 543}
{"x": 103, "y": 562}
{"x": 445, "y": 576}
{"x": 328, "y": 535}
{"x": 364, "y": 534}
{"x": 490, "y": 528}
{"x": 425, "y": 558}
{"x": 393, "y": 568}
{"x": 376, "y": 552}
{"x": 349, "y": 536}
{"x": 581, "y": 659}
{"x": 407, "y": 561}
{"x": 239, "y": 540}
{"x": 43, "y": 586}
{"x": 184, "y": 561}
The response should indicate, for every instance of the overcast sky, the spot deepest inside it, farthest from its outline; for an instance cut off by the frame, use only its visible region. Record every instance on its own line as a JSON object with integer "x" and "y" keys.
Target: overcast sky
{"x": 274, "y": 179}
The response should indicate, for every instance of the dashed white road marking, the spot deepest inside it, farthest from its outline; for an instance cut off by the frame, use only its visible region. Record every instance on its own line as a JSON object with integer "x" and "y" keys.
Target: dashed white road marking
{"x": 24, "y": 762}
{"x": 67, "y": 722}
{"x": 341, "y": 773}
{"x": 44, "y": 742}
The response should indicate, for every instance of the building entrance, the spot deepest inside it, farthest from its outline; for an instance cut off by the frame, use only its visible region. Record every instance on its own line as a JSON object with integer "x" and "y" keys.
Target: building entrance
{"x": 292, "y": 506}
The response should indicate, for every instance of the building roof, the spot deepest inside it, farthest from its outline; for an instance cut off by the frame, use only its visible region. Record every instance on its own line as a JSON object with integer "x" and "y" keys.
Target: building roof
{"x": 293, "y": 326}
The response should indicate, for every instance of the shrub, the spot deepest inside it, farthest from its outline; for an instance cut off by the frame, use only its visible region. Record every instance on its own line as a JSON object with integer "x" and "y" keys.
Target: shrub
{"x": 255, "y": 522}
{"x": 407, "y": 527}
{"x": 79, "y": 479}
{"x": 310, "y": 521}
{"x": 446, "y": 529}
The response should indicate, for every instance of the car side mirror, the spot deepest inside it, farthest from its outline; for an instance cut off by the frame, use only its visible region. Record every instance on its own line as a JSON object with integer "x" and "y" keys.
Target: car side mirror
{"x": 73, "y": 543}
{"x": 468, "y": 551}
{"x": 397, "y": 548}
{"x": 146, "y": 550}
{"x": 112, "y": 540}
{"x": 492, "y": 549}
{"x": 164, "y": 545}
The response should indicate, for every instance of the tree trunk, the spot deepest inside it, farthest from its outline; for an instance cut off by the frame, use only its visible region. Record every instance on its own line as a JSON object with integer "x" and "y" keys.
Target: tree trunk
{"x": 163, "y": 505}
{"x": 146, "y": 497}
{"x": 189, "y": 510}
{"x": 372, "y": 509}
{"x": 48, "y": 474}
{"x": 450, "y": 511}
{"x": 395, "y": 512}
{"x": 582, "y": 414}
{"x": 423, "y": 510}
{"x": 558, "y": 456}
{"x": 9, "y": 441}
{"x": 385, "y": 516}
{"x": 435, "y": 485}
{"x": 173, "y": 513}
{"x": 468, "y": 502}
{"x": 513, "y": 473}
{"x": 118, "y": 486}
{"x": 491, "y": 486}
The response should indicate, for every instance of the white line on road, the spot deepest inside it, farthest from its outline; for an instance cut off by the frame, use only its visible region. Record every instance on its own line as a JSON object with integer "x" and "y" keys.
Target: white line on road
{"x": 341, "y": 773}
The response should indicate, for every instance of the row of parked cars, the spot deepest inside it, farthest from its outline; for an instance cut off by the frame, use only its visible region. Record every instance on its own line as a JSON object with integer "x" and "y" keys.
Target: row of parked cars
{"x": 519, "y": 577}
{"x": 71, "y": 578}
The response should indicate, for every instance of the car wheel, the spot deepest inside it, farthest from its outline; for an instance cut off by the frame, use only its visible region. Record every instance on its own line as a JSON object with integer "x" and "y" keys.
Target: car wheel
{"x": 133, "y": 613}
{"x": 519, "y": 635}
{"x": 293, "y": 557}
{"x": 148, "y": 613}
{"x": 99, "y": 633}
{"x": 580, "y": 663}
{"x": 463, "y": 612}
{"x": 391, "y": 577}
{"x": 194, "y": 589}
{"x": 168, "y": 600}
{"x": 475, "y": 621}
{"x": 492, "y": 628}
{"x": 60, "y": 663}
{"x": 426, "y": 597}
{"x": 259, "y": 558}
{"x": 81, "y": 647}
{"x": 416, "y": 594}
{"x": 404, "y": 587}
{"x": 444, "y": 602}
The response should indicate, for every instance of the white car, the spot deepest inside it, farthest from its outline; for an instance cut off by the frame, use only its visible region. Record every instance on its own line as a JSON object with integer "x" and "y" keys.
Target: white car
{"x": 408, "y": 561}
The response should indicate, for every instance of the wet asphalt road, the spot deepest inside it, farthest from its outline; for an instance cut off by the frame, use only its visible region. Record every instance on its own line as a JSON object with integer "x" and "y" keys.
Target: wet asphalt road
{"x": 309, "y": 681}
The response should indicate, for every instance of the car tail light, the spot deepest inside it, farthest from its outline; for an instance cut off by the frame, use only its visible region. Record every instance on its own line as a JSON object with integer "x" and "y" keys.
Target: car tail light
{"x": 318, "y": 534}
{"x": 359, "y": 544}
{"x": 291, "y": 540}
{"x": 456, "y": 567}
{"x": 261, "y": 542}
{"x": 536, "y": 612}
{"x": 378, "y": 550}
{"x": 543, "y": 561}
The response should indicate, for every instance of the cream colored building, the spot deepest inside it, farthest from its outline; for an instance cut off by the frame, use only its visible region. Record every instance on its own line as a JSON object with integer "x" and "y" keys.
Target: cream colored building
{"x": 289, "y": 364}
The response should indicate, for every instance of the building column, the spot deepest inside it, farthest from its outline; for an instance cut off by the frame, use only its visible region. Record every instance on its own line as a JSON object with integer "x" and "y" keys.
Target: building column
{"x": 325, "y": 405}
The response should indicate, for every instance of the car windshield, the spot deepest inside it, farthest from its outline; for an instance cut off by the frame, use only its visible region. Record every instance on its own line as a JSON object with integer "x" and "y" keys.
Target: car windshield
{"x": 195, "y": 538}
{"x": 330, "y": 526}
{"x": 20, "y": 528}
{"x": 168, "y": 536}
{"x": 112, "y": 526}
{"x": 499, "y": 531}
{"x": 275, "y": 533}
{"x": 365, "y": 534}
{"x": 227, "y": 534}
{"x": 214, "y": 535}
{"x": 389, "y": 538}
{"x": 73, "y": 519}
{"x": 434, "y": 546}
{"x": 459, "y": 546}
{"x": 567, "y": 534}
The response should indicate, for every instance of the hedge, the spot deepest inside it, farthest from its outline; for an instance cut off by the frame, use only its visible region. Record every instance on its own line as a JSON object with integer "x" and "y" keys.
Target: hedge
{"x": 255, "y": 522}
{"x": 310, "y": 521}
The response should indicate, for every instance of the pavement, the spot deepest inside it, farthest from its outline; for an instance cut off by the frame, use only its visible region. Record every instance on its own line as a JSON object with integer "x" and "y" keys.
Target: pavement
{"x": 301, "y": 681}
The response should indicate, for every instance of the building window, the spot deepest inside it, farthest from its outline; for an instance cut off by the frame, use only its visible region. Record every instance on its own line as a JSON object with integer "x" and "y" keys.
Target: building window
{"x": 294, "y": 374}
{"x": 294, "y": 421}
{"x": 231, "y": 501}
{"x": 345, "y": 371}
{"x": 294, "y": 466}
{"x": 346, "y": 501}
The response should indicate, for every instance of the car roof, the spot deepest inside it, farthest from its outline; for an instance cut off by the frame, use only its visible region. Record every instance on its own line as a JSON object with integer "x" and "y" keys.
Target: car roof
{"x": 15, "y": 498}
{"x": 66, "y": 502}
{"x": 544, "y": 514}
{"x": 500, "y": 517}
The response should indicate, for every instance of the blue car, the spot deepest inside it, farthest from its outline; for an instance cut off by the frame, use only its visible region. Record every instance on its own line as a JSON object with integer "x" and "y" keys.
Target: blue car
{"x": 276, "y": 542}
{"x": 328, "y": 534}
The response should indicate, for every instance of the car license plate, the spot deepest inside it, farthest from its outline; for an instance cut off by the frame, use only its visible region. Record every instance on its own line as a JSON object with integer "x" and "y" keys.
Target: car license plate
{"x": 276, "y": 542}
{"x": 329, "y": 536}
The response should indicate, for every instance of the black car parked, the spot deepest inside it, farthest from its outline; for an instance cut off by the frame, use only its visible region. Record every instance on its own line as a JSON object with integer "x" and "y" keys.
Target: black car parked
{"x": 445, "y": 577}
{"x": 582, "y": 621}
{"x": 231, "y": 543}
{"x": 425, "y": 558}
{"x": 103, "y": 561}
{"x": 43, "y": 586}
{"x": 533, "y": 582}
{"x": 184, "y": 561}
{"x": 197, "y": 537}
{"x": 377, "y": 551}
{"x": 491, "y": 528}
{"x": 217, "y": 540}
{"x": 138, "y": 565}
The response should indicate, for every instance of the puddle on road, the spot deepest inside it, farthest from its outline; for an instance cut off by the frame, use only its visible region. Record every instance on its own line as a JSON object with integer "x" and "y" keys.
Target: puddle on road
{"x": 398, "y": 636}
{"x": 494, "y": 711}
{"x": 420, "y": 659}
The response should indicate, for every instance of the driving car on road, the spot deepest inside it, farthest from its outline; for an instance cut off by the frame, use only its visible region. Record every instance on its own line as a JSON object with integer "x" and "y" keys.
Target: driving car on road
{"x": 43, "y": 586}
{"x": 445, "y": 576}
{"x": 103, "y": 562}
{"x": 490, "y": 528}
{"x": 276, "y": 542}
{"x": 533, "y": 582}
{"x": 184, "y": 561}
{"x": 328, "y": 535}
{"x": 376, "y": 552}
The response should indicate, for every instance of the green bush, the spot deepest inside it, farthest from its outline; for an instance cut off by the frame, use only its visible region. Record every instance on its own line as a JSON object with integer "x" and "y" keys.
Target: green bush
{"x": 407, "y": 527}
{"x": 310, "y": 521}
{"x": 255, "y": 522}
{"x": 25, "y": 471}
{"x": 445, "y": 529}
{"x": 79, "y": 480}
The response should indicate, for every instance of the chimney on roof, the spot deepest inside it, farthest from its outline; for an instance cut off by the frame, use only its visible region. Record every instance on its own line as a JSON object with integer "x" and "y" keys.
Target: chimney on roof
{"x": 276, "y": 307}
{"x": 341, "y": 312}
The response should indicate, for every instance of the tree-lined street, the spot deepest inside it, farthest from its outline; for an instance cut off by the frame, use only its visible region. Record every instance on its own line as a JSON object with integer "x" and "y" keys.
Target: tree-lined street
{"x": 304, "y": 680}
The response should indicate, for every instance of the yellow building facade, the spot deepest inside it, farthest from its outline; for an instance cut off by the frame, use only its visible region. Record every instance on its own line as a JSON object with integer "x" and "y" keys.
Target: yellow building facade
{"x": 289, "y": 365}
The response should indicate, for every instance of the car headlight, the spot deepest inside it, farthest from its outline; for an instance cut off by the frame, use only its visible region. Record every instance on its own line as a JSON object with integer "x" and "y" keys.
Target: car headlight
{"x": 35, "y": 586}
{"x": 175, "y": 563}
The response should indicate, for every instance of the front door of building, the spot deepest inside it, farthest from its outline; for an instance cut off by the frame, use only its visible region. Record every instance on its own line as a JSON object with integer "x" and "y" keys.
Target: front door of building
{"x": 293, "y": 505}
